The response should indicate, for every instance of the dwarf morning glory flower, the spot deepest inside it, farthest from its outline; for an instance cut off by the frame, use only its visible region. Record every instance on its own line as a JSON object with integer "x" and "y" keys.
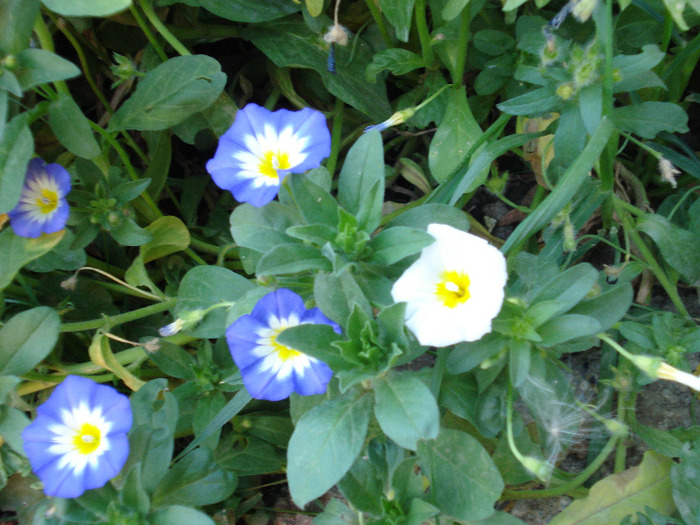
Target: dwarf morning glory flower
{"x": 262, "y": 147}
{"x": 454, "y": 289}
{"x": 78, "y": 439}
{"x": 42, "y": 207}
{"x": 270, "y": 370}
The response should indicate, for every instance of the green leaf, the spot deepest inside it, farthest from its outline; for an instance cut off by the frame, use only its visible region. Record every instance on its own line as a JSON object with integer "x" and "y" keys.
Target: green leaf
{"x": 635, "y": 71}
{"x": 398, "y": 61}
{"x": 16, "y": 150}
{"x": 87, "y": 7}
{"x": 464, "y": 481}
{"x": 453, "y": 8}
{"x": 567, "y": 327}
{"x": 562, "y": 194}
{"x": 12, "y": 423}
{"x": 196, "y": 480}
{"x": 315, "y": 340}
{"x": 406, "y": 409}
{"x": 315, "y": 203}
{"x": 393, "y": 244}
{"x": 292, "y": 258}
{"x": 204, "y": 286}
{"x": 26, "y": 339}
{"x": 170, "y": 235}
{"x": 249, "y": 457}
{"x": 16, "y": 25}
{"x": 38, "y": 66}
{"x": 686, "y": 487}
{"x": 243, "y": 10}
{"x": 17, "y": 251}
{"x": 261, "y": 229}
{"x": 455, "y": 136}
{"x": 426, "y": 214}
{"x": 337, "y": 294}
{"x": 125, "y": 231}
{"x": 362, "y": 170}
{"x": 493, "y": 43}
{"x": 315, "y": 7}
{"x": 618, "y": 495}
{"x": 289, "y": 43}
{"x": 324, "y": 446}
{"x": 533, "y": 103}
{"x": 179, "y": 515}
{"x": 609, "y": 307}
{"x": 337, "y": 513}
{"x": 72, "y": 128}
{"x": 160, "y": 153}
{"x": 568, "y": 288}
{"x": 363, "y": 487}
{"x": 647, "y": 119}
{"x": 399, "y": 14}
{"x": 170, "y": 93}
{"x": 133, "y": 495}
{"x": 680, "y": 248}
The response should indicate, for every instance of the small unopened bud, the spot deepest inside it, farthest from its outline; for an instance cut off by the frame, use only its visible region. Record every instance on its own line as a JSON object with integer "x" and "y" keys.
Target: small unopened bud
{"x": 583, "y": 9}
{"x": 565, "y": 91}
{"x": 569, "y": 237}
{"x": 172, "y": 328}
{"x": 337, "y": 34}
{"x": 668, "y": 172}
{"x": 152, "y": 345}
{"x": 70, "y": 283}
{"x": 397, "y": 118}
{"x": 539, "y": 467}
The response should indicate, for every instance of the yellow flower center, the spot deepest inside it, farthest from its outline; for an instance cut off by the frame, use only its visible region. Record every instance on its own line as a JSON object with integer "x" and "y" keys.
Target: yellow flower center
{"x": 453, "y": 288}
{"x": 87, "y": 439}
{"x": 48, "y": 201}
{"x": 271, "y": 162}
{"x": 283, "y": 352}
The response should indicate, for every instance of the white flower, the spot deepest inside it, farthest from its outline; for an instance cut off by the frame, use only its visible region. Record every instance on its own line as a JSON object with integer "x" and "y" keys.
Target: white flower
{"x": 454, "y": 290}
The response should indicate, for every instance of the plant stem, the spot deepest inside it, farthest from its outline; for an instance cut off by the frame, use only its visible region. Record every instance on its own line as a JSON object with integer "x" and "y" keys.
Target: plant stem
{"x": 462, "y": 45}
{"x": 149, "y": 34}
{"x": 379, "y": 20}
{"x": 424, "y": 35}
{"x": 336, "y": 135}
{"x": 160, "y": 27}
{"x": 119, "y": 319}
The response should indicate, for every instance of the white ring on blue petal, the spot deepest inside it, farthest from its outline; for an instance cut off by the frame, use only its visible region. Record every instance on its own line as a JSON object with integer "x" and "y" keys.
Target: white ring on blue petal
{"x": 42, "y": 207}
{"x": 269, "y": 370}
{"x": 262, "y": 147}
{"x": 78, "y": 440}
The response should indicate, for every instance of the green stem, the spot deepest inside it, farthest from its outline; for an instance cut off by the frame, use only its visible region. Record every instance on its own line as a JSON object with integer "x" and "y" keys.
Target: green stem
{"x": 650, "y": 260}
{"x": 44, "y": 35}
{"x": 607, "y": 158}
{"x": 160, "y": 27}
{"x": 379, "y": 20}
{"x": 462, "y": 45}
{"x": 336, "y": 135}
{"x": 569, "y": 486}
{"x": 119, "y": 319}
{"x": 424, "y": 35}
{"x": 149, "y": 34}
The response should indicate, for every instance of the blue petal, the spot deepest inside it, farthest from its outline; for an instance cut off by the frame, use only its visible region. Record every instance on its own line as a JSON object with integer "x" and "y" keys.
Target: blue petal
{"x": 315, "y": 316}
{"x": 109, "y": 463}
{"x": 61, "y": 483}
{"x": 58, "y": 219}
{"x": 245, "y": 190}
{"x": 242, "y": 339}
{"x": 24, "y": 225}
{"x": 280, "y": 303}
{"x": 59, "y": 174}
{"x": 315, "y": 379}
{"x": 265, "y": 385}
{"x": 311, "y": 124}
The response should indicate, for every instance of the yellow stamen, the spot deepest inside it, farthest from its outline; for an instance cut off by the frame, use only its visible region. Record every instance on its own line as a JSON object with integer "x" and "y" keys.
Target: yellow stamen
{"x": 283, "y": 352}
{"x": 48, "y": 201}
{"x": 87, "y": 439}
{"x": 271, "y": 162}
{"x": 453, "y": 288}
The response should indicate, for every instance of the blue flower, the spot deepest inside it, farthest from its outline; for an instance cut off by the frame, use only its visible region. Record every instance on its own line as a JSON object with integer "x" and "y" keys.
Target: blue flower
{"x": 42, "y": 207}
{"x": 262, "y": 147}
{"x": 270, "y": 370}
{"x": 78, "y": 439}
